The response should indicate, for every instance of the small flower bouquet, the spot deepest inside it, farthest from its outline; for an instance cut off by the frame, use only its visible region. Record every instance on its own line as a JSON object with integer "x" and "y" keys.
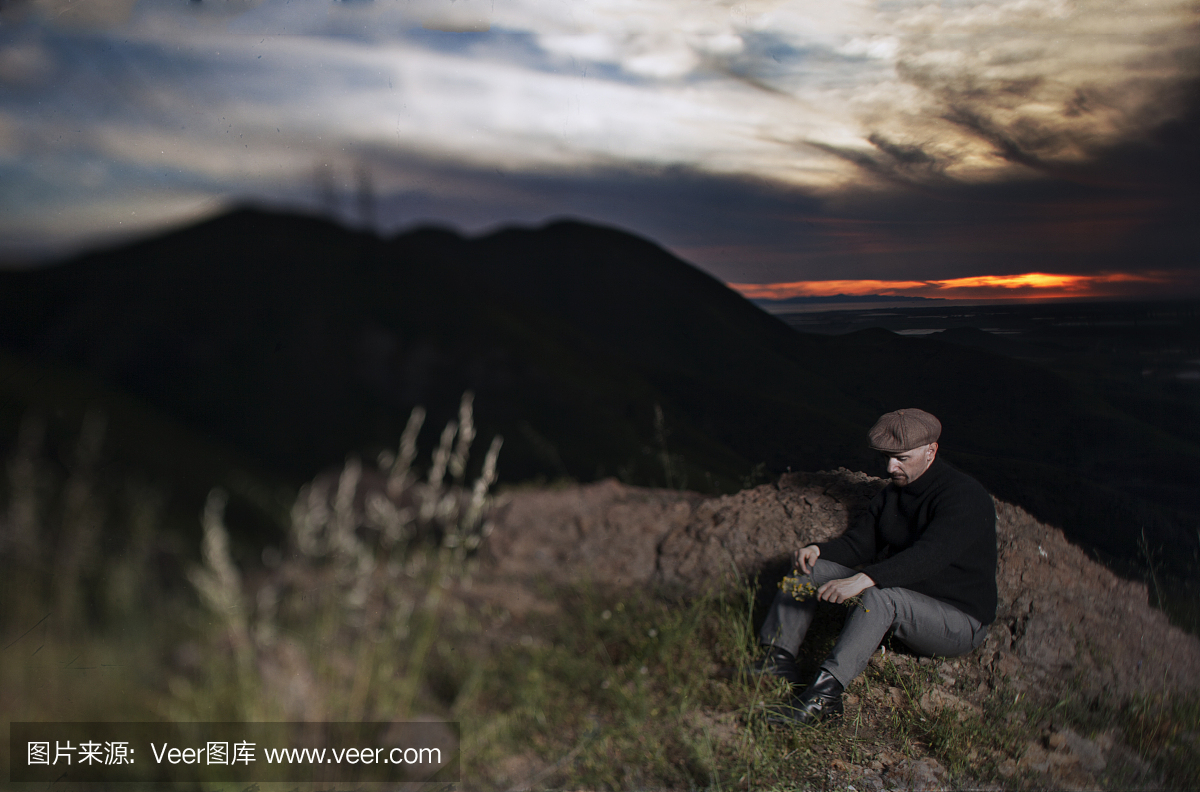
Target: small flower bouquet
{"x": 802, "y": 589}
{"x": 799, "y": 586}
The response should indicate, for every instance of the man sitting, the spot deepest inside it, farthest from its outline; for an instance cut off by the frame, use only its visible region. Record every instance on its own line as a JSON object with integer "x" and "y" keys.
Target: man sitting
{"x": 926, "y": 549}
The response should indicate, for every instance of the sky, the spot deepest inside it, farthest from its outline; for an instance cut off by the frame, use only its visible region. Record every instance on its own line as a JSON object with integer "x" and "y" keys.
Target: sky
{"x": 962, "y": 149}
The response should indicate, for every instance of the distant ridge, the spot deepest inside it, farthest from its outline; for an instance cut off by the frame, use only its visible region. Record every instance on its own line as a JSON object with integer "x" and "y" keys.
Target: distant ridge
{"x": 835, "y": 299}
{"x": 296, "y": 341}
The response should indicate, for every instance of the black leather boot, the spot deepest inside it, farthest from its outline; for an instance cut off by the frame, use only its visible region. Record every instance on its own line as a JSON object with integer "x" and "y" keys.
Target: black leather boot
{"x": 777, "y": 662}
{"x": 821, "y": 700}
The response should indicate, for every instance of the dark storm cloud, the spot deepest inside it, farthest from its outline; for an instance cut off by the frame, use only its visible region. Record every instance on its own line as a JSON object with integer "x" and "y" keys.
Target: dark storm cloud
{"x": 905, "y": 155}
{"x": 906, "y": 166}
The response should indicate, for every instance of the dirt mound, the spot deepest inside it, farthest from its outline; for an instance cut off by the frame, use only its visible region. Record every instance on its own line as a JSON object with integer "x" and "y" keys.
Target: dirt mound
{"x": 736, "y": 537}
{"x": 1065, "y": 624}
{"x": 606, "y": 532}
{"x": 1063, "y": 619}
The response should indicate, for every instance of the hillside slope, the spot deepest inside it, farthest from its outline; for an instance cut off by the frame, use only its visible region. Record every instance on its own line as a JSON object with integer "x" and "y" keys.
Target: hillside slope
{"x": 293, "y": 340}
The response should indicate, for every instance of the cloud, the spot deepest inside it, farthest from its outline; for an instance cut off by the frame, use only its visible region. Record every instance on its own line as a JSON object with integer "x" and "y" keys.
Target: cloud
{"x": 24, "y": 63}
{"x": 773, "y": 90}
{"x": 819, "y": 141}
{"x": 71, "y": 13}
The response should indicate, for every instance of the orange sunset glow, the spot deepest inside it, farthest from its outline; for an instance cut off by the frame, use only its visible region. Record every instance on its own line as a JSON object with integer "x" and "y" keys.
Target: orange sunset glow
{"x": 1029, "y": 285}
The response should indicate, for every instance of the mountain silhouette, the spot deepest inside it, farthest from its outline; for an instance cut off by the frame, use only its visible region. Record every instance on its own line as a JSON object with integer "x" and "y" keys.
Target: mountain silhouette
{"x": 594, "y": 352}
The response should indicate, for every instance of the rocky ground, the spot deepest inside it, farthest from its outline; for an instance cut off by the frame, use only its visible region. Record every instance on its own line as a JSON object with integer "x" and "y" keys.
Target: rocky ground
{"x": 1065, "y": 623}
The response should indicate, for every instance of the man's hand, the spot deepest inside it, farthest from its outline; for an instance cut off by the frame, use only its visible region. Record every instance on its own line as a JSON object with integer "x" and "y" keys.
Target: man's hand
{"x": 806, "y": 557}
{"x": 841, "y": 590}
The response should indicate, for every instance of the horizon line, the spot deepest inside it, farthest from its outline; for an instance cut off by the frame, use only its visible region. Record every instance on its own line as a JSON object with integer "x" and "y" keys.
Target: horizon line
{"x": 1028, "y": 286}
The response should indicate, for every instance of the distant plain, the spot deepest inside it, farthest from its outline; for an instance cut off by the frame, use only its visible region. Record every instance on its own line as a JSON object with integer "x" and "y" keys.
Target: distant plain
{"x": 1144, "y": 357}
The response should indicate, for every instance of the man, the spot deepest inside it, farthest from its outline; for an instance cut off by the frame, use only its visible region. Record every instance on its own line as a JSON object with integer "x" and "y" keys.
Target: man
{"x": 922, "y": 562}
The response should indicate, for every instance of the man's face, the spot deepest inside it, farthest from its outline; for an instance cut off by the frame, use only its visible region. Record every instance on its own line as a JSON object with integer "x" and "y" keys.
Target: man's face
{"x": 905, "y": 467}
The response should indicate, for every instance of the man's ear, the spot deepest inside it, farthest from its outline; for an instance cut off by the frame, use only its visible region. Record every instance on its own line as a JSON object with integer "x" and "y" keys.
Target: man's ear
{"x": 933, "y": 447}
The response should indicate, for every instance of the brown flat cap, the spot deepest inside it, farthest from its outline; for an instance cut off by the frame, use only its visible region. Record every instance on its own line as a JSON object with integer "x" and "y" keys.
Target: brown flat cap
{"x": 904, "y": 430}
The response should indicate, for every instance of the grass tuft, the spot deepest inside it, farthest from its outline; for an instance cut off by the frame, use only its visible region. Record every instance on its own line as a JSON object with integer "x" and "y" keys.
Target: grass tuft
{"x": 377, "y": 609}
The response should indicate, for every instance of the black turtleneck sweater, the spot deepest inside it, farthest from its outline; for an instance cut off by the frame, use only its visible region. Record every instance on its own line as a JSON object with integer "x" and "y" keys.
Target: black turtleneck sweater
{"x": 936, "y": 536}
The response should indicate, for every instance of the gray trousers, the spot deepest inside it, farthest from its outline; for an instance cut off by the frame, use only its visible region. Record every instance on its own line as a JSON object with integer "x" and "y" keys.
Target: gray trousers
{"x": 926, "y": 625}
